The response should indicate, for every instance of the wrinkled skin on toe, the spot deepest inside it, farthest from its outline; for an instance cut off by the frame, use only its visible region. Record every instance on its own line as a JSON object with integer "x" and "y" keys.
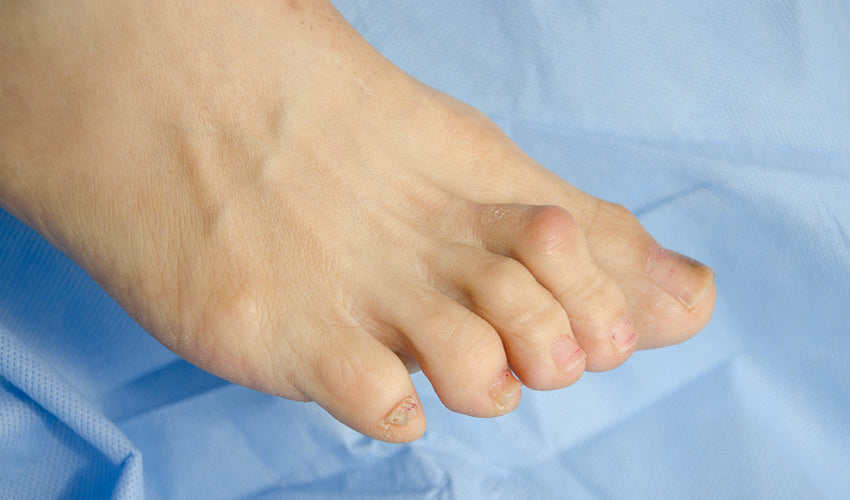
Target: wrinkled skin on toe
{"x": 278, "y": 204}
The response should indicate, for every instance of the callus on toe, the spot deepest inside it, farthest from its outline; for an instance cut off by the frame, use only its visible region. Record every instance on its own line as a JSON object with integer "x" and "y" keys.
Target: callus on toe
{"x": 679, "y": 275}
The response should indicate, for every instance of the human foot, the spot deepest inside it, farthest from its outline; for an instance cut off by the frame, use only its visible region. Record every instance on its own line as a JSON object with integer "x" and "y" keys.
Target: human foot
{"x": 278, "y": 204}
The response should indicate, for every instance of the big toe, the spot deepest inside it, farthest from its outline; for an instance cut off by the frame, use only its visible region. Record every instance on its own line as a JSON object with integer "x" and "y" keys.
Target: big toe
{"x": 671, "y": 296}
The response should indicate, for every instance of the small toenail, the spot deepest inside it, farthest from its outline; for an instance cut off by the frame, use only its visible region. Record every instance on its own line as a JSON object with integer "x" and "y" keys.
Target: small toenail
{"x": 504, "y": 389}
{"x": 403, "y": 412}
{"x": 623, "y": 333}
{"x": 568, "y": 356}
{"x": 679, "y": 275}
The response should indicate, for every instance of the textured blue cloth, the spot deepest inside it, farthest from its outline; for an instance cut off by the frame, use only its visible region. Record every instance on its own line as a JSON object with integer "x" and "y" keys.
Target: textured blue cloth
{"x": 724, "y": 125}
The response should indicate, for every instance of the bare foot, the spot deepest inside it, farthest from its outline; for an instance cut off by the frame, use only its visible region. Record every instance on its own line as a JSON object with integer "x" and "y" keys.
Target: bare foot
{"x": 278, "y": 204}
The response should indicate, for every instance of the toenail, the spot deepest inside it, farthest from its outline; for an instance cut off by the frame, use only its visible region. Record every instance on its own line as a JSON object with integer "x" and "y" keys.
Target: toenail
{"x": 679, "y": 275}
{"x": 623, "y": 333}
{"x": 403, "y": 412}
{"x": 568, "y": 356}
{"x": 504, "y": 389}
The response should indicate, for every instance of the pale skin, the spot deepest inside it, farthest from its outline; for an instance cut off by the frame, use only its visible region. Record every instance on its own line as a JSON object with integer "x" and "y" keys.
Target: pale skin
{"x": 278, "y": 204}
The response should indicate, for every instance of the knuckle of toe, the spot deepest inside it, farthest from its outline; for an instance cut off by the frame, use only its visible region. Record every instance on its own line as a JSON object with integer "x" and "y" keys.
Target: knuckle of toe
{"x": 467, "y": 338}
{"x": 596, "y": 291}
{"x": 615, "y": 215}
{"x": 245, "y": 314}
{"x": 530, "y": 313}
{"x": 611, "y": 298}
{"x": 616, "y": 211}
{"x": 231, "y": 337}
{"x": 340, "y": 369}
{"x": 343, "y": 372}
{"x": 547, "y": 315}
{"x": 472, "y": 133}
{"x": 552, "y": 230}
{"x": 502, "y": 278}
{"x": 231, "y": 313}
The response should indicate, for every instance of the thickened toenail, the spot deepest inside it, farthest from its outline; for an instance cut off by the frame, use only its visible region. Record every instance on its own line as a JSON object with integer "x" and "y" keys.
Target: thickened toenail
{"x": 679, "y": 275}
{"x": 623, "y": 333}
{"x": 403, "y": 412}
{"x": 504, "y": 389}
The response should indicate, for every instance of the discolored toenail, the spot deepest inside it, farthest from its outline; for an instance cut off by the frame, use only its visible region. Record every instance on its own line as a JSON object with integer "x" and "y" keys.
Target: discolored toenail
{"x": 681, "y": 276}
{"x": 567, "y": 355}
{"x": 623, "y": 333}
{"x": 504, "y": 390}
{"x": 403, "y": 413}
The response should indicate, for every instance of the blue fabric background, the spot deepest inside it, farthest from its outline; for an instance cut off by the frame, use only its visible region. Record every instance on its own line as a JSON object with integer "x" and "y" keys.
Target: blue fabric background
{"x": 725, "y": 126}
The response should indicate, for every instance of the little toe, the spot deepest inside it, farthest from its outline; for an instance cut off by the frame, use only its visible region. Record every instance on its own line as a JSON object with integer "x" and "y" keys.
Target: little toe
{"x": 551, "y": 244}
{"x": 533, "y": 326}
{"x": 364, "y": 385}
{"x": 459, "y": 352}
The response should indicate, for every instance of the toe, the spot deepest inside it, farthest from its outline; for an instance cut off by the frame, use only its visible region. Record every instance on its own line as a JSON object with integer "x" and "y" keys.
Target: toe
{"x": 533, "y": 326}
{"x": 672, "y": 296}
{"x": 551, "y": 244}
{"x": 363, "y": 384}
{"x": 459, "y": 352}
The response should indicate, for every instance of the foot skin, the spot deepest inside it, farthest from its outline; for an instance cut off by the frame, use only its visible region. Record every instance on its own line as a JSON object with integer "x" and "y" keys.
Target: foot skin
{"x": 281, "y": 206}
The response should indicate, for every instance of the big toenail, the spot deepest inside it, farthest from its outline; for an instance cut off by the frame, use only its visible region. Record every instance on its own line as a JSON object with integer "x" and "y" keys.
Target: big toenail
{"x": 623, "y": 333}
{"x": 504, "y": 389}
{"x": 403, "y": 412}
{"x": 568, "y": 356}
{"x": 679, "y": 275}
